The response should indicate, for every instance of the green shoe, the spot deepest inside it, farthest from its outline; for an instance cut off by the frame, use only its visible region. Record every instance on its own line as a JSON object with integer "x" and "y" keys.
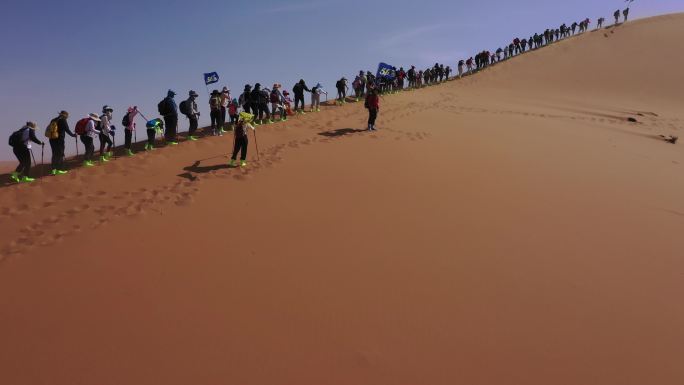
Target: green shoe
{"x": 130, "y": 153}
{"x": 270, "y": 121}
{"x": 110, "y": 154}
{"x": 222, "y": 131}
{"x": 88, "y": 163}
{"x": 318, "y": 110}
{"x": 62, "y": 172}
{"x": 232, "y": 163}
{"x": 27, "y": 180}
{"x": 173, "y": 143}
{"x": 192, "y": 138}
{"x": 54, "y": 171}
{"x": 103, "y": 158}
{"x": 15, "y": 177}
{"x": 243, "y": 163}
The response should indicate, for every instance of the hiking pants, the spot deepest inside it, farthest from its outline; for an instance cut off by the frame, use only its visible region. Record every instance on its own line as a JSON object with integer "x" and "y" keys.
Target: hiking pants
{"x": 299, "y": 99}
{"x": 151, "y": 133}
{"x": 128, "y": 139}
{"x": 341, "y": 94}
{"x": 171, "y": 123}
{"x": 105, "y": 140}
{"x": 241, "y": 143}
{"x": 89, "y": 147}
{"x": 57, "y": 147}
{"x": 255, "y": 110}
{"x": 277, "y": 109}
{"x": 193, "y": 125}
{"x": 263, "y": 110}
{"x": 315, "y": 101}
{"x": 372, "y": 115}
{"x": 246, "y": 108}
{"x": 23, "y": 155}
{"x": 222, "y": 124}
{"x": 215, "y": 116}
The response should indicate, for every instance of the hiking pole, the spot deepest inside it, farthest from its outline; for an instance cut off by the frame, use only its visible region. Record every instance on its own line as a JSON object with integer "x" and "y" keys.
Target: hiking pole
{"x": 256, "y": 143}
{"x": 34, "y": 158}
{"x": 76, "y": 142}
{"x": 42, "y": 158}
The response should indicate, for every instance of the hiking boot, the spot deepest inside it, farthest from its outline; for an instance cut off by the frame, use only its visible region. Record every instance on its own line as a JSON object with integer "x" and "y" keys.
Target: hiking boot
{"x": 222, "y": 131}
{"x": 318, "y": 110}
{"x": 110, "y": 154}
{"x": 54, "y": 171}
{"x": 130, "y": 152}
{"x": 27, "y": 180}
{"x": 232, "y": 163}
{"x": 15, "y": 177}
{"x": 62, "y": 172}
{"x": 173, "y": 143}
{"x": 103, "y": 158}
{"x": 243, "y": 163}
{"x": 191, "y": 137}
{"x": 270, "y": 121}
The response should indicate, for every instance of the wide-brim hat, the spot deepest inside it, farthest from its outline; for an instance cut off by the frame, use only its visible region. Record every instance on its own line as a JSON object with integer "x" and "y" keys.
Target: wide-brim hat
{"x": 225, "y": 90}
{"x": 193, "y": 93}
{"x": 246, "y": 116}
{"x": 94, "y": 117}
{"x": 214, "y": 92}
{"x": 285, "y": 93}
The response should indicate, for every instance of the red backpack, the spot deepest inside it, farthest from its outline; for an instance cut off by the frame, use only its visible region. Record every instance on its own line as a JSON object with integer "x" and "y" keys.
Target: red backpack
{"x": 81, "y": 126}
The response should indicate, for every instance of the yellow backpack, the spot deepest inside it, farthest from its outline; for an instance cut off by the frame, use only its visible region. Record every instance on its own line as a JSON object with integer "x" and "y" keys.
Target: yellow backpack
{"x": 52, "y": 130}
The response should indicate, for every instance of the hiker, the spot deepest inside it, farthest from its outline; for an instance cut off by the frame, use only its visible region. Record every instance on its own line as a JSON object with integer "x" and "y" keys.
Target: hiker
{"x": 447, "y": 72}
{"x": 411, "y": 74}
{"x": 316, "y": 92}
{"x": 87, "y": 129}
{"x": 129, "y": 126}
{"x": 287, "y": 103}
{"x": 246, "y": 98}
{"x": 342, "y": 87}
{"x": 233, "y": 112}
{"x": 188, "y": 107}
{"x": 469, "y": 64}
{"x": 298, "y": 91}
{"x": 106, "y": 130}
{"x": 215, "y": 113}
{"x": 260, "y": 100}
{"x": 461, "y": 63}
{"x": 225, "y": 101}
{"x": 56, "y": 134}
{"x": 264, "y": 99}
{"x": 373, "y": 106}
{"x": 241, "y": 138}
{"x": 625, "y": 13}
{"x": 600, "y": 22}
{"x": 154, "y": 127}
{"x": 276, "y": 99}
{"x": 616, "y": 15}
{"x": 169, "y": 111}
{"x": 19, "y": 140}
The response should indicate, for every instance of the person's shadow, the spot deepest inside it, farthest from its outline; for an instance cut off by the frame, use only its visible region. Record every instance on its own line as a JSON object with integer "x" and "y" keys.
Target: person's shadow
{"x": 197, "y": 169}
{"x": 341, "y": 132}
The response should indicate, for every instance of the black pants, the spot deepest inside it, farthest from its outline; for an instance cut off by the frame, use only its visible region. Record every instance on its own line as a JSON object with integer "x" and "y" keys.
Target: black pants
{"x": 193, "y": 125}
{"x": 233, "y": 119}
{"x": 372, "y": 115}
{"x": 246, "y": 108}
{"x": 57, "y": 147}
{"x": 151, "y": 133}
{"x": 171, "y": 122}
{"x": 299, "y": 99}
{"x": 341, "y": 94}
{"x": 215, "y": 116}
{"x": 223, "y": 117}
{"x": 128, "y": 138}
{"x": 23, "y": 155}
{"x": 255, "y": 110}
{"x": 263, "y": 110}
{"x": 89, "y": 147}
{"x": 105, "y": 140}
{"x": 241, "y": 143}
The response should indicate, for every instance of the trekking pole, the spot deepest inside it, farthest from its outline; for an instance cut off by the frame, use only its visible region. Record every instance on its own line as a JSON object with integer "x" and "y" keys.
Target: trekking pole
{"x": 76, "y": 142}
{"x": 34, "y": 158}
{"x": 256, "y": 143}
{"x": 42, "y": 158}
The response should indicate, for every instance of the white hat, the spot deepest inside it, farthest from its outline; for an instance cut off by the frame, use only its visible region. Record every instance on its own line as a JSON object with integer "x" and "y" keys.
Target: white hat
{"x": 94, "y": 117}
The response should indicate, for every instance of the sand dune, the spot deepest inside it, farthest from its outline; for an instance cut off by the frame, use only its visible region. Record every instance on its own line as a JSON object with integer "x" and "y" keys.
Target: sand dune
{"x": 512, "y": 227}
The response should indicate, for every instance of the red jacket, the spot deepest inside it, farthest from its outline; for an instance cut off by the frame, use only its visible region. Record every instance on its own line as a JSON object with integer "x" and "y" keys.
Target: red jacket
{"x": 373, "y": 101}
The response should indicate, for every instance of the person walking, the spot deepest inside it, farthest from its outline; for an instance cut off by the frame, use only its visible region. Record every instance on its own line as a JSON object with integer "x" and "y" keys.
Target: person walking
{"x": 169, "y": 111}
{"x": 373, "y": 106}
{"x": 105, "y": 129}
{"x": 189, "y": 108}
{"x": 277, "y": 102}
{"x": 600, "y": 22}
{"x": 316, "y": 92}
{"x": 342, "y": 87}
{"x": 298, "y": 91}
{"x": 56, "y": 134}
{"x": 241, "y": 139}
{"x": 225, "y": 102}
{"x": 19, "y": 140}
{"x": 129, "y": 127}
{"x": 154, "y": 127}
{"x": 246, "y": 98}
{"x": 215, "y": 113}
{"x": 90, "y": 132}
{"x": 625, "y": 14}
{"x": 616, "y": 15}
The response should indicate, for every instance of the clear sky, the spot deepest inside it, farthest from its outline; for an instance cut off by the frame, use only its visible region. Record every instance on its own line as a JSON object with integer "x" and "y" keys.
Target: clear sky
{"x": 79, "y": 55}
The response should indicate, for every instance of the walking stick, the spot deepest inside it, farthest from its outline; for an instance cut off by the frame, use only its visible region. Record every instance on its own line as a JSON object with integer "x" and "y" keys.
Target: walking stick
{"x": 76, "y": 142}
{"x": 42, "y": 159}
{"x": 256, "y": 143}
{"x": 34, "y": 158}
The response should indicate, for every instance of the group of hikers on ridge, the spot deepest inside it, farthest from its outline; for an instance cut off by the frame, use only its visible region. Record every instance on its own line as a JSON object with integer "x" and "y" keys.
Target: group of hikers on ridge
{"x": 256, "y": 105}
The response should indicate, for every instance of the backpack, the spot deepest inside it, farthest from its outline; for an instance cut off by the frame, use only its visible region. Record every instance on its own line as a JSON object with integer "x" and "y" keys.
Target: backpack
{"x": 274, "y": 97}
{"x": 164, "y": 107}
{"x": 52, "y": 130}
{"x": 215, "y": 102}
{"x": 16, "y": 138}
{"x": 339, "y": 85}
{"x": 184, "y": 108}
{"x": 80, "y": 128}
{"x": 126, "y": 121}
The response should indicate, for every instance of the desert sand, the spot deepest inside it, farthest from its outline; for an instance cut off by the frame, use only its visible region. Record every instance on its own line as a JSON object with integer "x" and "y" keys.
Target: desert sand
{"x": 511, "y": 227}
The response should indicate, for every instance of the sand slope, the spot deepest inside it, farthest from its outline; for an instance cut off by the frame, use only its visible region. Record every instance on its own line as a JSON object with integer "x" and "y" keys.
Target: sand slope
{"x": 508, "y": 228}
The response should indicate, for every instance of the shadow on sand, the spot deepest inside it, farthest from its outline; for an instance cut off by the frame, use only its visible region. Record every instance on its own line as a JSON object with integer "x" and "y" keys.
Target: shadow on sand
{"x": 341, "y": 132}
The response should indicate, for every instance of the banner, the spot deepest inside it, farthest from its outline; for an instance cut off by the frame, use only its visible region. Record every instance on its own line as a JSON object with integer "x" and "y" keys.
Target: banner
{"x": 210, "y": 78}
{"x": 385, "y": 71}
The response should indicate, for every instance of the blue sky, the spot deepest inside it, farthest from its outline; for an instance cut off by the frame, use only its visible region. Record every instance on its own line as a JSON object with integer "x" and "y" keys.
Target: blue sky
{"x": 79, "y": 55}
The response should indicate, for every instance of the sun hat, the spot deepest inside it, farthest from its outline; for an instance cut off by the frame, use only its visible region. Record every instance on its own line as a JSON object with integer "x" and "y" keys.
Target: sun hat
{"x": 94, "y": 116}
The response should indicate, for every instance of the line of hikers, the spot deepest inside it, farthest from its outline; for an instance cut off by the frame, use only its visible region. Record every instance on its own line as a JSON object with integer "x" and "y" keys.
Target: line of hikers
{"x": 254, "y": 106}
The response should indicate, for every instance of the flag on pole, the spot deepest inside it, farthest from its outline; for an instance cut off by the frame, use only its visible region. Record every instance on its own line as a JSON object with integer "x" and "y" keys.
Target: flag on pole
{"x": 385, "y": 71}
{"x": 210, "y": 78}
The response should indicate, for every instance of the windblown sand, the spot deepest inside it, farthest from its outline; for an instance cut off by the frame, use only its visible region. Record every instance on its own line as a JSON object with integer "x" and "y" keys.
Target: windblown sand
{"x": 512, "y": 227}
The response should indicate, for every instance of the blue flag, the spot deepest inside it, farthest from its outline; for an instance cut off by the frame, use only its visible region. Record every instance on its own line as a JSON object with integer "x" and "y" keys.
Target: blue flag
{"x": 211, "y": 77}
{"x": 385, "y": 71}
